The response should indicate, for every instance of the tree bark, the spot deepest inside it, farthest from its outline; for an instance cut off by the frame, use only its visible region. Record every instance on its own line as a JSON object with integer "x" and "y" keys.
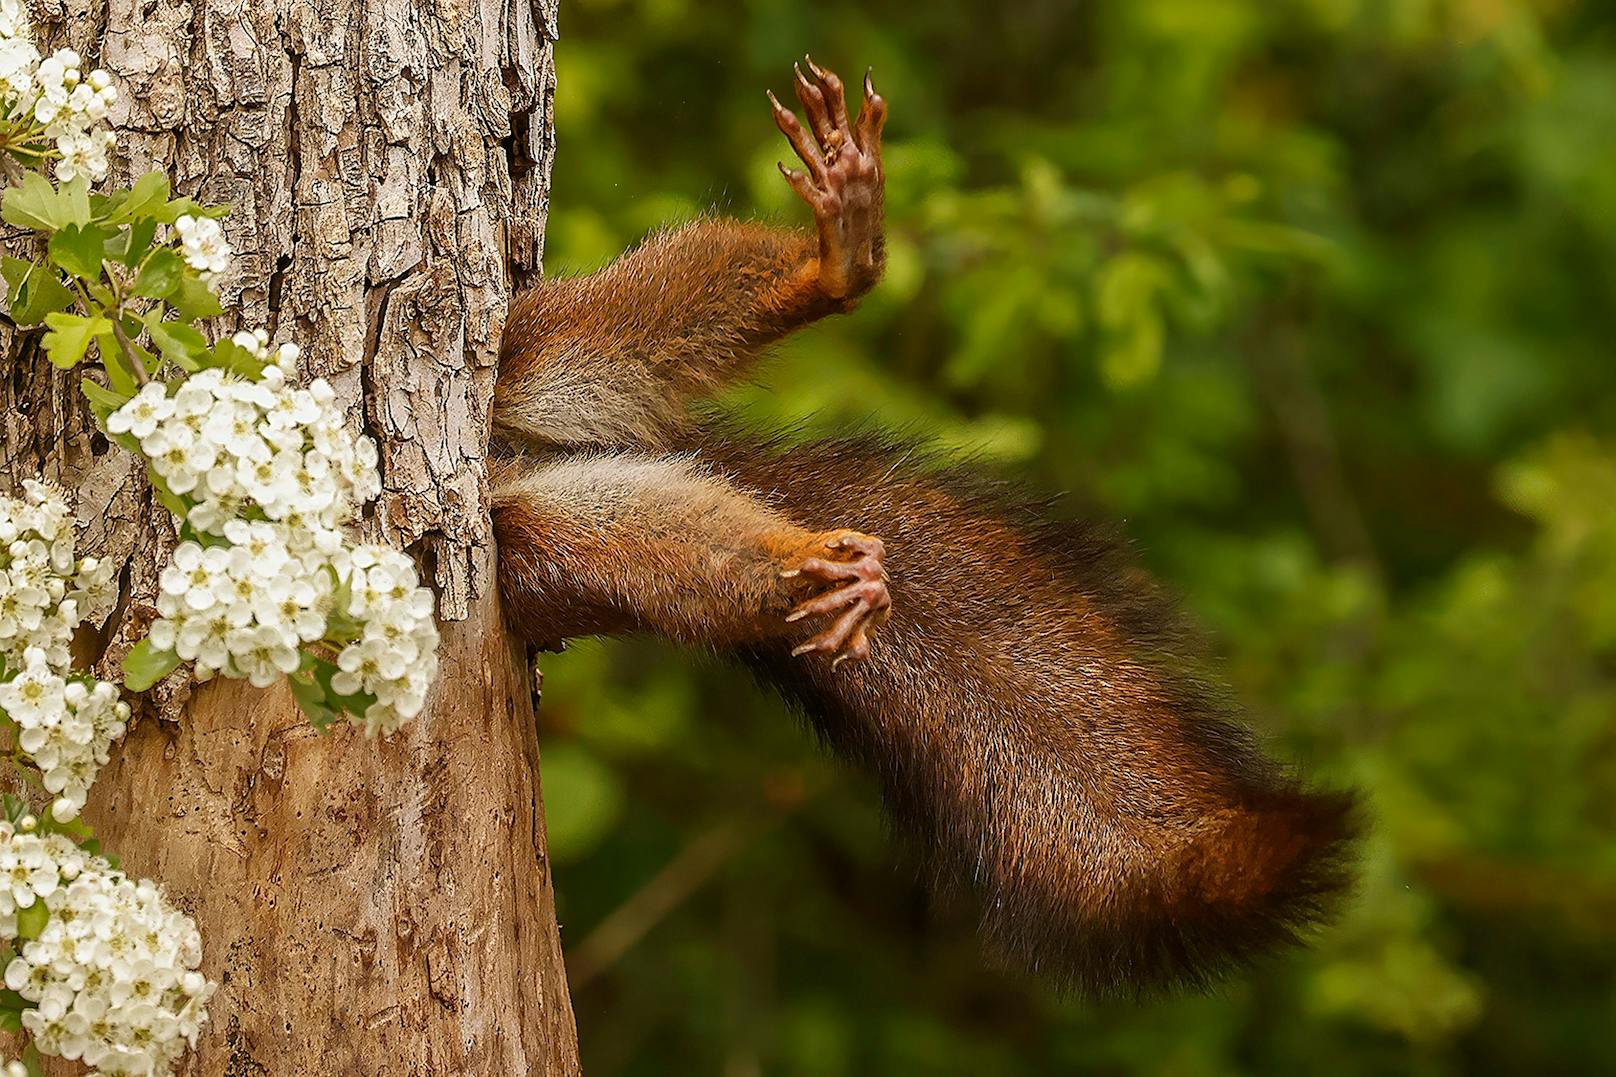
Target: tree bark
{"x": 367, "y": 907}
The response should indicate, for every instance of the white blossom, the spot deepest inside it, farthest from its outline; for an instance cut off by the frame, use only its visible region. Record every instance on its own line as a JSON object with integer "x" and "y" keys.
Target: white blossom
{"x": 43, "y": 590}
{"x": 395, "y": 658}
{"x": 56, "y": 98}
{"x": 203, "y": 245}
{"x": 273, "y": 479}
{"x": 64, "y": 723}
{"x": 113, "y": 976}
{"x": 18, "y": 56}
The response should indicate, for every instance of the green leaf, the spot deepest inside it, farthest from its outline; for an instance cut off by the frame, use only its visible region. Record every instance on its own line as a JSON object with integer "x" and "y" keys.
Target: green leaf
{"x": 15, "y": 808}
{"x": 35, "y": 203}
{"x": 178, "y": 341}
{"x": 236, "y": 359}
{"x": 141, "y": 203}
{"x": 133, "y": 242}
{"x": 80, "y": 249}
{"x": 340, "y": 626}
{"x": 70, "y": 335}
{"x": 15, "y": 272}
{"x": 32, "y": 920}
{"x": 194, "y": 299}
{"x": 161, "y": 274}
{"x": 146, "y": 665}
{"x": 185, "y": 207}
{"x": 75, "y": 195}
{"x": 311, "y": 700}
{"x": 11, "y": 1003}
{"x": 76, "y": 829}
{"x": 103, "y": 401}
{"x": 34, "y": 290}
{"x": 120, "y": 379}
{"x": 355, "y": 704}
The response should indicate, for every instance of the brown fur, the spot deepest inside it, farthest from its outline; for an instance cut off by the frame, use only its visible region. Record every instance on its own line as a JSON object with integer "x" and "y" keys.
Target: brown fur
{"x": 1037, "y": 730}
{"x": 612, "y": 358}
{"x": 1029, "y": 711}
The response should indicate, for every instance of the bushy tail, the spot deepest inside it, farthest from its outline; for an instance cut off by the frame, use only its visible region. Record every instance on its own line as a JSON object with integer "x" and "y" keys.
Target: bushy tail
{"x": 1035, "y": 730}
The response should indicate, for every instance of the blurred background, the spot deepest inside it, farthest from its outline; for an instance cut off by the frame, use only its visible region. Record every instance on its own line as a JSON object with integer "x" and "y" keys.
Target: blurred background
{"x": 1317, "y": 295}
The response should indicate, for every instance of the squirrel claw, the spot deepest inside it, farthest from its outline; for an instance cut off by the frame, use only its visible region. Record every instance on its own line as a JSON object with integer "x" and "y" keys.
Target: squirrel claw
{"x": 860, "y": 598}
{"x": 843, "y": 183}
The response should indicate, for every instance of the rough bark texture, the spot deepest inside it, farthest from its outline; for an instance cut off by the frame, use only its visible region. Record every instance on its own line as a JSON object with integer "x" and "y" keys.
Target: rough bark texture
{"x": 368, "y": 907}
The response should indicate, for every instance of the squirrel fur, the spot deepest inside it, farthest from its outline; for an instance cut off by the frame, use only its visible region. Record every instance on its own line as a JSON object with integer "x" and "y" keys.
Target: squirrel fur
{"x": 1015, "y": 684}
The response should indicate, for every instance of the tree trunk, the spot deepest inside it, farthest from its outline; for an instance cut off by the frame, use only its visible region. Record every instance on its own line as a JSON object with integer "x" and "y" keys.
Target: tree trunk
{"x": 367, "y": 907}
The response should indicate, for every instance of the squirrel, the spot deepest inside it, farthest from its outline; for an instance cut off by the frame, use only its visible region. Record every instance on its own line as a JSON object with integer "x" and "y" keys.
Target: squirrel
{"x": 1013, "y": 682}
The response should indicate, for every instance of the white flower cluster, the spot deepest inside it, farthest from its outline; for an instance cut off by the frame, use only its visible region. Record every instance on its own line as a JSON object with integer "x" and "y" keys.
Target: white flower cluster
{"x": 113, "y": 975}
{"x": 241, "y": 449}
{"x": 18, "y": 57}
{"x": 273, "y": 477}
{"x": 203, "y": 245}
{"x": 45, "y": 591}
{"x": 73, "y": 107}
{"x": 395, "y": 657}
{"x": 55, "y": 96}
{"x": 66, "y": 727}
{"x": 64, "y": 723}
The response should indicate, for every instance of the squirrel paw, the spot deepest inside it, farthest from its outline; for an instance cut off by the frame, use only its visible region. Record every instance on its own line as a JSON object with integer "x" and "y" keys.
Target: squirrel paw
{"x": 843, "y": 184}
{"x": 859, "y": 593}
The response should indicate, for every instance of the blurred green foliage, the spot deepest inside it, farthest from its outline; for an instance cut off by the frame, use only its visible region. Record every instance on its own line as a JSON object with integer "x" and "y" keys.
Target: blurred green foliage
{"x": 1317, "y": 295}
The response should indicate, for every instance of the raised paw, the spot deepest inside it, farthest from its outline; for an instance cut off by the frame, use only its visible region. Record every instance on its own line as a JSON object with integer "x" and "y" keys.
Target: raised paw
{"x": 856, "y": 597}
{"x": 844, "y": 181}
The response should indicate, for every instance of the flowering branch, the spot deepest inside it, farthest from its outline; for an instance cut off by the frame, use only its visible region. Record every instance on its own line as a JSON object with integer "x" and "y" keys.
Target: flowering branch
{"x": 265, "y": 482}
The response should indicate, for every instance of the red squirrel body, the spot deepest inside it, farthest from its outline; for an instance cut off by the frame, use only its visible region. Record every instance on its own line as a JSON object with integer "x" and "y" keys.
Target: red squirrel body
{"x": 1016, "y": 685}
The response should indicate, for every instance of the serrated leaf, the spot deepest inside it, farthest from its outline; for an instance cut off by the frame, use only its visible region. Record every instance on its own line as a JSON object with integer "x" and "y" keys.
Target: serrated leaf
{"x": 238, "y": 360}
{"x": 133, "y": 242}
{"x": 75, "y": 195}
{"x": 181, "y": 343}
{"x": 80, "y": 249}
{"x": 70, "y": 336}
{"x": 194, "y": 299}
{"x": 103, "y": 401}
{"x": 145, "y": 665}
{"x": 34, "y": 290}
{"x": 32, "y": 920}
{"x": 311, "y": 700}
{"x": 161, "y": 274}
{"x": 35, "y": 203}
{"x": 147, "y": 196}
{"x": 186, "y": 207}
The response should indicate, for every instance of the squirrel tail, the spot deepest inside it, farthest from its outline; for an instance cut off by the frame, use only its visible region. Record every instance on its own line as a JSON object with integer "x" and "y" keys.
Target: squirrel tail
{"x": 1040, "y": 736}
